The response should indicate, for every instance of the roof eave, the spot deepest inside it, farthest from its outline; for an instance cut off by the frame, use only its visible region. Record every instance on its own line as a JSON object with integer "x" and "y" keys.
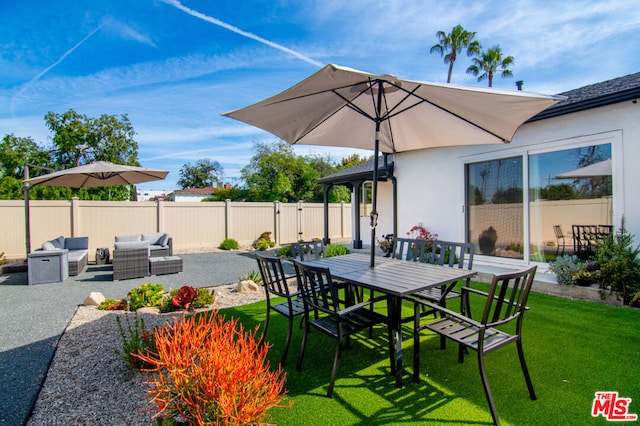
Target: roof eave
{"x": 599, "y": 101}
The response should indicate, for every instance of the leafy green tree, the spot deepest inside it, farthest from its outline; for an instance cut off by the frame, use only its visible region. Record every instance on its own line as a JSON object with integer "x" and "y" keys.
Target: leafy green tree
{"x": 488, "y": 63}
{"x": 79, "y": 139}
{"x": 15, "y": 153}
{"x": 352, "y": 160}
{"x": 451, "y": 44}
{"x": 204, "y": 173}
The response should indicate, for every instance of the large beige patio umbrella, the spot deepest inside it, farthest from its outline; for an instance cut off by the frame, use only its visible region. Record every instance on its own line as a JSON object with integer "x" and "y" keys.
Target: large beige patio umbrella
{"x": 340, "y": 106}
{"x": 99, "y": 173}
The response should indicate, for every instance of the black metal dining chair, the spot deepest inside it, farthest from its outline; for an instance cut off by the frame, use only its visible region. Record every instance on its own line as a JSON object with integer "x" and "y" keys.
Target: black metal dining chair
{"x": 324, "y": 311}
{"x": 408, "y": 249}
{"x": 308, "y": 250}
{"x": 505, "y": 303}
{"x": 275, "y": 285}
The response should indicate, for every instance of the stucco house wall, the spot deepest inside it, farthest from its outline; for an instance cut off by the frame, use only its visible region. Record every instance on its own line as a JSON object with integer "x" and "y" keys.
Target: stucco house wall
{"x": 431, "y": 183}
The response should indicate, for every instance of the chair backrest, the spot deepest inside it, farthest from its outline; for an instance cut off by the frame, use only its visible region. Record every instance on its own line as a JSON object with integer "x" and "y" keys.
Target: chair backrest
{"x": 452, "y": 254}
{"x": 507, "y": 297}
{"x": 558, "y": 231}
{"x": 273, "y": 277}
{"x": 408, "y": 249}
{"x": 308, "y": 250}
{"x": 317, "y": 288}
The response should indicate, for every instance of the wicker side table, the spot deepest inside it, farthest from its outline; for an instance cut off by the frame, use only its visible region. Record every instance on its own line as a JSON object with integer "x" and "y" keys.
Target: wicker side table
{"x": 165, "y": 265}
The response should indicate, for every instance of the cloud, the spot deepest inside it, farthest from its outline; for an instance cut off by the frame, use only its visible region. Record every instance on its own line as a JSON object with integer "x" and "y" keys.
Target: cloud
{"x": 126, "y": 31}
{"x": 50, "y": 67}
{"x": 237, "y": 30}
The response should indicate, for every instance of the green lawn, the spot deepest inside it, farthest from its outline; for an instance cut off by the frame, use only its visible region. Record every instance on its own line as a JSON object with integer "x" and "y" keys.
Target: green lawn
{"x": 573, "y": 350}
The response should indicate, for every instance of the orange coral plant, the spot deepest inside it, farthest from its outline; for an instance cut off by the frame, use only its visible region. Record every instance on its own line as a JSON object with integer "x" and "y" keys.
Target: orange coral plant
{"x": 211, "y": 371}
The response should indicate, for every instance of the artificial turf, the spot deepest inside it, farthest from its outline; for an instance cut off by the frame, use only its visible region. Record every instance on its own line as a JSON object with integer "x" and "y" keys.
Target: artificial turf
{"x": 573, "y": 349}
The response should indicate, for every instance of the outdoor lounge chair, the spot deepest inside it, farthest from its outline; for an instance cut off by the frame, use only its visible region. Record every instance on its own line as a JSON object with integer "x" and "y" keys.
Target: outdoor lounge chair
{"x": 275, "y": 284}
{"x": 130, "y": 260}
{"x": 505, "y": 304}
{"x": 324, "y": 311}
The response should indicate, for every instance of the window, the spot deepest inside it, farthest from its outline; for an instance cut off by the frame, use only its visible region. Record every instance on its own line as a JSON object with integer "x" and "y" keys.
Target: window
{"x": 365, "y": 206}
{"x": 494, "y": 213}
{"x": 557, "y": 188}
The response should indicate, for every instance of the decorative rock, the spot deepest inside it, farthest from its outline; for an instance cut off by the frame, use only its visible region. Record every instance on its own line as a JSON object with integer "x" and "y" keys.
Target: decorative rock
{"x": 247, "y": 286}
{"x": 148, "y": 310}
{"x": 94, "y": 299}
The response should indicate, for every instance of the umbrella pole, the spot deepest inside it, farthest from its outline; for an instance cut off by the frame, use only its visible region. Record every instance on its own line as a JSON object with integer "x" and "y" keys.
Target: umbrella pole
{"x": 374, "y": 192}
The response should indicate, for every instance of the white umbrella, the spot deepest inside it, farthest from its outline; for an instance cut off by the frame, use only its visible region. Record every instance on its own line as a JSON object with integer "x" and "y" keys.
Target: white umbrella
{"x": 601, "y": 168}
{"x": 99, "y": 173}
{"x": 339, "y": 106}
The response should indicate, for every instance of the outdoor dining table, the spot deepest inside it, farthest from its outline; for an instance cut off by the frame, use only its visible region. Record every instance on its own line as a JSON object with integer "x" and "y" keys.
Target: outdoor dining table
{"x": 397, "y": 279}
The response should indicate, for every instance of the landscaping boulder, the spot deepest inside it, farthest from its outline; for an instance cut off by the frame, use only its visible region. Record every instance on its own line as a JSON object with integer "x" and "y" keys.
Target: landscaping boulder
{"x": 94, "y": 299}
{"x": 247, "y": 286}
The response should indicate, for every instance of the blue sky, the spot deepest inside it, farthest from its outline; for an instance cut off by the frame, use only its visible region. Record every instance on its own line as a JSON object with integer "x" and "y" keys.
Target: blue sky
{"x": 174, "y": 66}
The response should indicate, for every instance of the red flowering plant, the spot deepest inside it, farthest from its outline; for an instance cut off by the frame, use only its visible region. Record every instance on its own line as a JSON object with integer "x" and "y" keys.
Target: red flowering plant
{"x": 419, "y": 232}
{"x": 185, "y": 297}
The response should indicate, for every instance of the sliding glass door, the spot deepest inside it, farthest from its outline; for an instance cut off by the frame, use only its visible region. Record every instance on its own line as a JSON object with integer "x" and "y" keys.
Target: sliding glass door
{"x": 563, "y": 190}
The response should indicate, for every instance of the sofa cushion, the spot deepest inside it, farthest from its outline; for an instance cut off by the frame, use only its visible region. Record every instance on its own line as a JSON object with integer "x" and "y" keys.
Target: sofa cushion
{"x": 77, "y": 243}
{"x": 131, "y": 245}
{"x": 128, "y": 238}
{"x": 156, "y": 238}
{"x": 48, "y": 245}
{"x": 58, "y": 242}
{"x": 76, "y": 255}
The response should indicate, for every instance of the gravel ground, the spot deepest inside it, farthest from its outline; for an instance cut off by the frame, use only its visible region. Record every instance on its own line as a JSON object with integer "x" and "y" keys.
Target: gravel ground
{"x": 89, "y": 384}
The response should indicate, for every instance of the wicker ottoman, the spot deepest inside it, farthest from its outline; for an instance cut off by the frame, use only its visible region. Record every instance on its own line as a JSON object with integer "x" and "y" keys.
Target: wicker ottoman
{"x": 165, "y": 265}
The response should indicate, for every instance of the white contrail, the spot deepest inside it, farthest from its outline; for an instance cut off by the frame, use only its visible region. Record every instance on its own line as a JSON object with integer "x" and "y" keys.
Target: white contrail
{"x": 50, "y": 67}
{"x": 236, "y": 30}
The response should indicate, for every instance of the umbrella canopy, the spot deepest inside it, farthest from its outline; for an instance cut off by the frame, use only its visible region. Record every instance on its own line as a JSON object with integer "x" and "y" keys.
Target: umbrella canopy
{"x": 100, "y": 173}
{"x": 339, "y": 106}
{"x": 601, "y": 168}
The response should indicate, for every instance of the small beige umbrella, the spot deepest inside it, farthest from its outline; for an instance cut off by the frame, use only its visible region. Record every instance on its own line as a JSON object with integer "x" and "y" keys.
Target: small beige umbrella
{"x": 601, "y": 168}
{"x": 99, "y": 173}
{"x": 340, "y": 106}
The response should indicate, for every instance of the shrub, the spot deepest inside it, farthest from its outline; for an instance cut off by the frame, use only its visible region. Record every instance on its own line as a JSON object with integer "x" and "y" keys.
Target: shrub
{"x": 208, "y": 370}
{"x": 253, "y": 276}
{"x": 332, "y": 250}
{"x": 263, "y": 242}
{"x": 203, "y": 299}
{"x": 565, "y": 268}
{"x": 284, "y": 251}
{"x": 113, "y": 305}
{"x": 620, "y": 266}
{"x": 136, "y": 340}
{"x": 146, "y": 295}
{"x": 229, "y": 244}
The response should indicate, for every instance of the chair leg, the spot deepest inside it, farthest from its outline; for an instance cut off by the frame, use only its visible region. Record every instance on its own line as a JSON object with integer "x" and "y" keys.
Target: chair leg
{"x": 303, "y": 345}
{"x": 525, "y": 370}
{"x": 283, "y": 361}
{"x": 264, "y": 329}
{"x": 334, "y": 371}
{"x": 487, "y": 389}
{"x": 417, "y": 308}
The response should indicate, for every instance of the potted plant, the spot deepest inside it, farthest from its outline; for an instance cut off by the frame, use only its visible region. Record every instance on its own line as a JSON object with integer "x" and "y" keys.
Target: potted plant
{"x": 487, "y": 241}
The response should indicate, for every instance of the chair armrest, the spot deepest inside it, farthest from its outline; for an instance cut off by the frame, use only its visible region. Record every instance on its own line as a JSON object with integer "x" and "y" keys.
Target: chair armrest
{"x": 48, "y": 253}
{"x": 361, "y": 305}
{"x": 449, "y": 312}
{"x": 482, "y": 293}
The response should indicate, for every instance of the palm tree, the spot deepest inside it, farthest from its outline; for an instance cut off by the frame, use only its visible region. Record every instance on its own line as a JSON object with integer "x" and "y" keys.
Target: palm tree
{"x": 454, "y": 42}
{"x": 490, "y": 62}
